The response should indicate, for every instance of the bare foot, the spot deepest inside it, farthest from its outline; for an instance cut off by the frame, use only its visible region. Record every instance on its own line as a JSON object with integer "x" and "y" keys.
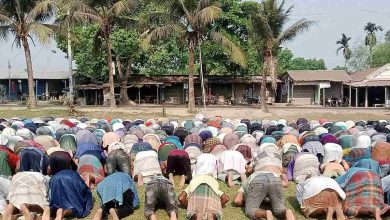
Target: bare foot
{"x": 171, "y": 179}
{"x": 140, "y": 180}
{"x": 269, "y": 215}
{"x": 8, "y": 212}
{"x": 153, "y": 217}
{"x": 113, "y": 214}
{"x": 182, "y": 181}
{"x": 289, "y": 215}
{"x": 329, "y": 213}
{"x": 98, "y": 215}
{"x": 339, "y": 213}
{"x": 59, "y": 214}
{"x": 46, "y": 213}
{"x": 26, "y": 213}
{"x": 377, "y": 214}
{"x": 173, "y": 216}
{"x": 230, "y": 180}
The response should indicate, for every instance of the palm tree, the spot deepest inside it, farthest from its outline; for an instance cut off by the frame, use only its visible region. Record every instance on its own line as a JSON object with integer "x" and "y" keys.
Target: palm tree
{"x": 26, "y": 20}
{"x": 371, "y": 40}
{"x": 191, "y": 20}
{"x": 344, "y": 45}
{"x": 105, "y": 15}
{"x": 267, "y": 30}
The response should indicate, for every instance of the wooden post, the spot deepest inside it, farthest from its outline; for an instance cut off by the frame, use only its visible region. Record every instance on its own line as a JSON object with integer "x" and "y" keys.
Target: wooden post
{"x": 164, "y": 110}
{"x": 357, "y": 97}
{"x": 139, "y": 95}
{"x": 47, "y": 90}
{"x": 319, "y": 95}
{"x": 323, "y": 97}
{"x": 96, "y": 97}
{"x": 233, "y": 95}
{"x": 366, "y": 97}
{"x": 288, "y": 91}
{"x": 350, "y": 94}
{"x": 36, "y": 89}
{"x": 292, "y": 92}
{"x": 158, "y": 96}
{"x": 386, "y": 96}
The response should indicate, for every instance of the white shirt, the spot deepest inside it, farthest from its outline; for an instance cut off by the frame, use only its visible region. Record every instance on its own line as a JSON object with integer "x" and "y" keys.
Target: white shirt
{"x": 315, "y": 185}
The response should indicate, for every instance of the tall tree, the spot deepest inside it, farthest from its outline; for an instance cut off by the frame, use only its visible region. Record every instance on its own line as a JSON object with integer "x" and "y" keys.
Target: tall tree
{"x": 387, "y": 37}
{"x": 191, "y": 21}
{"x": 106, "y": 15}
{"x": 344, "y": 45}
{"x": 268, "y": 21}
{"x": 26, "y": 20}
{"x": 371, "y": 40}
{"x": 126, "y": 48}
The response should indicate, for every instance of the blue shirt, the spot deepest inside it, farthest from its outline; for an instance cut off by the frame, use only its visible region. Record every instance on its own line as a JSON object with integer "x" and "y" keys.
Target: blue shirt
{"x": 113, "y": 186}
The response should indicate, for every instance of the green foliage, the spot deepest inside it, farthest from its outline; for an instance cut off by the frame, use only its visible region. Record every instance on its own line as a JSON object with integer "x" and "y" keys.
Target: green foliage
{"x": 164, "y": 58}
{"x": 360, "y": 58}
{"x": 387, "y": 37}
{"x": 344, "y": 46}
{"x": 339, "y": 68}
{"x": 126, "y": 43}
{"x": 233, "y": 23}
{"x": 371, "y": 28}
{"x": 287, "y": 61}
{"x": 381, "y": 55}
{"x": 300, "y": 63}
{"x": 90, "y": 64}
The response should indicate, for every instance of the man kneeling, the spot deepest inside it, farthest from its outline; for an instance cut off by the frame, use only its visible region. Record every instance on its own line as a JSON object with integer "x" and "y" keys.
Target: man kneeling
{"x": 268, "y": 180}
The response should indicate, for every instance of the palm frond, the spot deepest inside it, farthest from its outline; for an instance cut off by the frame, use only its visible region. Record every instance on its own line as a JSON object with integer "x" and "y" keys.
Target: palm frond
{"x": 185, "y": 10}
{"x": 4, "y": 32}
{"x": 203, "y": 4}
{"x": 85, "y": 17}
{"x": 234, "y": 51}
{"x": 261, "y": 27}
{"x": 295, "y": 29}
{"x": 207, "y": 15}
{"x": 160, "y": 33}
{"x": 42, "y": 32}
{"x": 123, "y": 6}
{"x": 338, "y": 49}
{"x": 42, "y": 11}
{"x": 4, "y": 19}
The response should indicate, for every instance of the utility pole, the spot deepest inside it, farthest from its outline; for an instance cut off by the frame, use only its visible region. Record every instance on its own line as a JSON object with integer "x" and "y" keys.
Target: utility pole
{"x": 9, "y": 80}
{"x": 70, "y": 65}
{"x": 202, "y": 79}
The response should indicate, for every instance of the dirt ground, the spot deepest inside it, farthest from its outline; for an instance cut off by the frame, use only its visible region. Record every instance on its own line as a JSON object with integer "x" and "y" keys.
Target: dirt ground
{"x": 173, "y": 112}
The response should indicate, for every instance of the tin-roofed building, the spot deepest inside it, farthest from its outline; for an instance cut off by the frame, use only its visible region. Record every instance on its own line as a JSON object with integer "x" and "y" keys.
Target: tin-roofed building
{"x": 309, "y": 87}
{"x": 48, "y": 84}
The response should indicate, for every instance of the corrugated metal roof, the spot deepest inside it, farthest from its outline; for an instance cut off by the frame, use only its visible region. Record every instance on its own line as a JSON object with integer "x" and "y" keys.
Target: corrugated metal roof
{"x": 37, "y": 74}
{"x": 371, "y": 83}
{"x": 319, "y": 75}
{"x": 362, "y": 75}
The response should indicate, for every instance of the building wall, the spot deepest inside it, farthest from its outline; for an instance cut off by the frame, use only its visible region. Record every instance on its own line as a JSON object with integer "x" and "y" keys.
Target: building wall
{"x": 303, "y": 94}
{"x": 334, "y": 90}
{"x": 176, "y": 90}
{"x": 21, "y": 87}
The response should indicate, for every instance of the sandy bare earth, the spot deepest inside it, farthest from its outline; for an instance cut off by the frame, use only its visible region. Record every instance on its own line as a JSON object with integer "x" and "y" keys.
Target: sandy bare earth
{"x": 249, "y": 112}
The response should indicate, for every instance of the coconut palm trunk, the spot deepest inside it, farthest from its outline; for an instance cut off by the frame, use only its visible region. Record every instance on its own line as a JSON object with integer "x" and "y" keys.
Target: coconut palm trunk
{"x": 123, "y": 79}
{"x": 31, "y": 92}
{"x": 191, "y": 91}
{"x": 110, "y": 72}
{"x": 263, "y": 89}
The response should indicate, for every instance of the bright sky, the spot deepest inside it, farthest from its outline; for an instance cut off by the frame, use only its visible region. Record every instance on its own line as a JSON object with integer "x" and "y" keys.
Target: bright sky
{"x": 333, "y": 17}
